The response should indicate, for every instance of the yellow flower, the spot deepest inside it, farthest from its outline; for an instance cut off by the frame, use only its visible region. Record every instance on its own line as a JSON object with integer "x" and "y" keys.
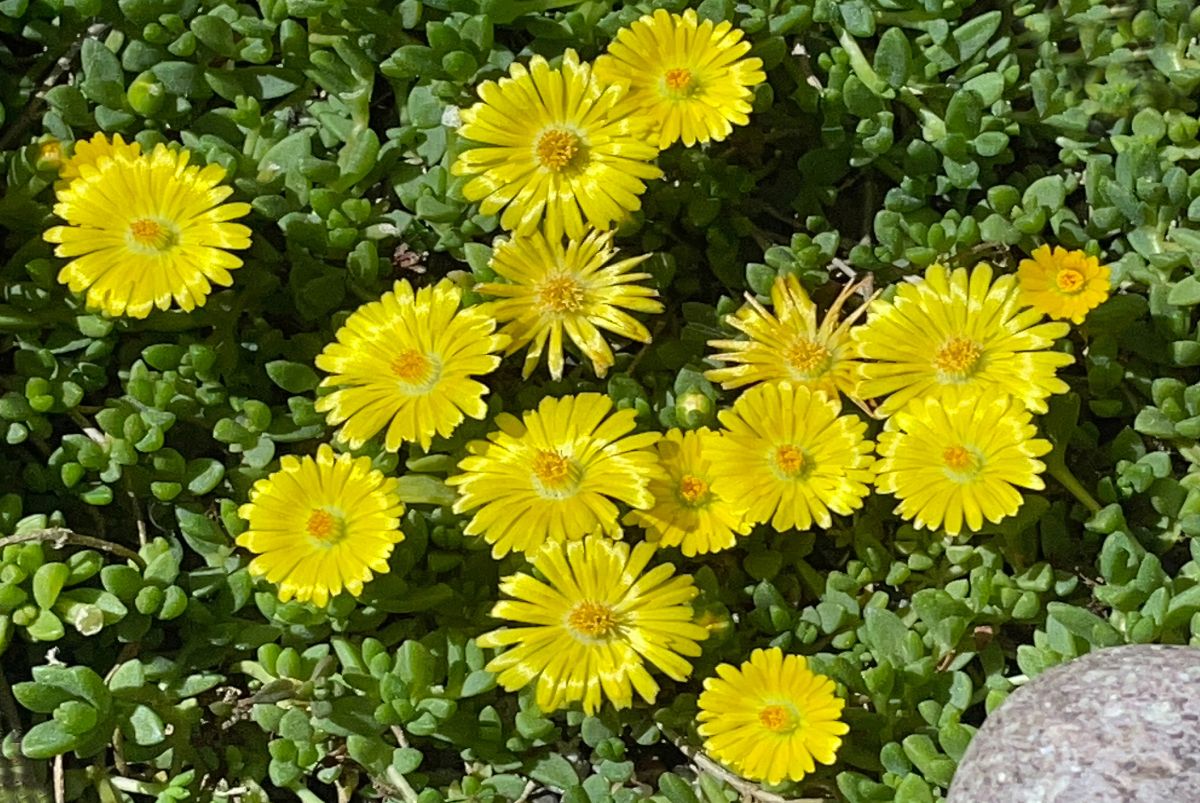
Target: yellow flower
{"x": 687, "y": 77}
{"x": 143, "y": 230}
{"x": 687, "y": 513}
{"x": 555, "y": 475}
{"x": 593, "y": 625}
{"x": 956, "y": 334}
{"x": 321, "y": 526}
{"x": 550, "y": 289}
{"x": 788, "y": 457}
{"x": 406, "y": 362}
{"x": 1062, "y": 283}
{"x": 771, "y": 718}
{"x": 90, "y": 152}
{"x": 554, "y": 146}
{"x": 962, "y": 463}
{"x": 791, "y": 344}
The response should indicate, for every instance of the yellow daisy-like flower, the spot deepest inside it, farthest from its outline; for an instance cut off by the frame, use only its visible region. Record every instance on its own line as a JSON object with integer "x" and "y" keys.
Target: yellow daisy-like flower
{"x": 950, "y": 465}
{"x": 143, "y": 230}
{"x": 787, "y": 456}
{"x": 687, "y": 513}
{"x": 771, "y": 718}
{"x": 956, "y": 334}
{"x": 89, "y": 152}
{"x": 1062, "y": 283}
{"x": 555, "y": 146}
{"x": 688, "y": 77}
{"x": 593, "y": 625}
{"x": 791, "y": 344}
{"x": 554, "y": 476}
{"x": 406, "y": 362}
{"x": 550, "y": 289}
{"x": 321, "y": 526}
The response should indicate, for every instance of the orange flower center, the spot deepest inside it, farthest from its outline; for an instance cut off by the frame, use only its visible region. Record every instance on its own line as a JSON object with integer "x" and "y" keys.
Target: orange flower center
{"x": 411, "y": 366}
{"x": 776, "y": 718}
{"x": 692, "y": 488}
{"x": 556, "y": 149}
{"x": 322, "y": 525}
{"x": 592, "y": 619}
{"x": 678, "y": 80}
{"x": 958, "y": 357}
{"x": 151, "y": 234}
{"x": 1070, "y": 280}
{"x": 551, "y": 467}
{"x": 790, "y": 460}
{"x": 561, "y": 295}
{"x": 958, "y": 458}
{"x": 808, "y": 357}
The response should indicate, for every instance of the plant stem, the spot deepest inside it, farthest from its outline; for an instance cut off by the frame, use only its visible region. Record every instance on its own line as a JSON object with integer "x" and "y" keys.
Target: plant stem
{"x": 61, "y": 535}
{"x": 1060, "y": 472}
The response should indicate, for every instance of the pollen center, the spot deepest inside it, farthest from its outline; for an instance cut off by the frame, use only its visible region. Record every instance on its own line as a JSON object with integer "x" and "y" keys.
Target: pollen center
{"x": 322, "y": 525}
{"x": 776, "y": 718}
{"x": 551, "y": 467}
{"x": 692, "y": 488}
{"x": 592, "y": 619}
{"x": 556, "y": 149}
{"x": 411, "y": 366}
{"x": 561, "y": 295}
{"x": 958, "y": 357}
{"x": 790, "y": 460}
{"x": 151, "y": 234}
{"x": 808, "y": 358}
{"x": 678, "y": 80}
{"x": 1069, "y": 280}
{"x": 960, "y": 459}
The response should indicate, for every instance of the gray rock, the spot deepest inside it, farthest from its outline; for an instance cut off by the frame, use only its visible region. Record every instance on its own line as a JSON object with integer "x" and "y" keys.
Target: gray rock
{"x": 1121, "y": 725}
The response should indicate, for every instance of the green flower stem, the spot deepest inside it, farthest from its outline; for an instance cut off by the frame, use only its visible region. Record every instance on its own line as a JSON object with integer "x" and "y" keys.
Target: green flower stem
{"x": 1060, "y": 472}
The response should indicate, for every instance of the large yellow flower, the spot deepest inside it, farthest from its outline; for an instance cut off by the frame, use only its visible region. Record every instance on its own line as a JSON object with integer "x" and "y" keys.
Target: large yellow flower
{"x": 550, "y": 289}
{"x": 771, "y": 718}
{"x": 956, "y": 334}
{"x": 406, "y": 362}
{"x": 321, "y": 526}
{"x": 555, "y": 475}
{"x": 688, "y": 77}
{"x": 594, "y": 624}
{"x": 790, "y": 344}
{"x": 1062, "y": 283}
{"x": 950, "y": 465}
{"x": 788, "y": 457}
{"x": 143, "y": 230}
{"x": 687, "y": 513}
{"x": 89, "y": 152}
{"x": 554, "y": 146}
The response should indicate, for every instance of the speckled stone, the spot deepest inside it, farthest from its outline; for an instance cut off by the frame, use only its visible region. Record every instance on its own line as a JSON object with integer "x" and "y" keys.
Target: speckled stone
{"x": 1117, "y": 725}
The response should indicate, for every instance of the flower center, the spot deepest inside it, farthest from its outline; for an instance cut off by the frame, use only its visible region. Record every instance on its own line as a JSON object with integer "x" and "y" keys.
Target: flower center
{"x": 776, "y": 718}
{"x": 324, "y": 526}
{"x": 692, "y": 488}
{"x": 411, "y": 366}
{"x": 679, "y": 82}
{"x": 151, "y": 234}
{"x": 592, "y": 619}
{"x": 561, "y": 295}
{"x": 958, "y": 357}
{"x": 790, "y": 460}
{"x": 551, "y": 468}
{"x": 808, "y": 358}
{"x": 960, "y": 460}
{"x": 556, "y": 149}
{"x": 1070, "y": 280}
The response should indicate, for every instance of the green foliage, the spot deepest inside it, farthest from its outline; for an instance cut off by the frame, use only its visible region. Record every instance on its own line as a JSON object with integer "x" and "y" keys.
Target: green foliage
{"x": 890, "y": 134}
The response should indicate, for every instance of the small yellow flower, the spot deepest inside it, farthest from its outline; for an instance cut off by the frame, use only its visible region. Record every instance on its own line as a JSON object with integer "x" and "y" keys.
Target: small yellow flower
{"x": 593, "y": 625}
{"x": 791, "y": 344}
{"x": 688, "y": 77}
{"x": 90, "y": 152}
{"x": 549, "y": 290}
{"x": 49, "y": 155}
{"x": 686, "y": 512}
{"x": 772, "y": 718}
{"x": 554, "y": 476}
{"x": 1062, "y": 283}
{"x": 955, "y": 334}
{"x": 145, "y": 230}
{"x": 554, "y": 147}
{"x": 787, "y": 456}
{"x": 960, "y": 464}
{"x": 321, "y": 526}
{"x": 406, "y": 363}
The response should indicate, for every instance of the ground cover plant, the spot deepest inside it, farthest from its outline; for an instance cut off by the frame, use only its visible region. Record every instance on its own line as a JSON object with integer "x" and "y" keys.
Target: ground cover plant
{"x": 511, "y": 400}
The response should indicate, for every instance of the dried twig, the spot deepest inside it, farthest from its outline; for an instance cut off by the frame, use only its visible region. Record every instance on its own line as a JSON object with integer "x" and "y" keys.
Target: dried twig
{"x": 61, "y": 536}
